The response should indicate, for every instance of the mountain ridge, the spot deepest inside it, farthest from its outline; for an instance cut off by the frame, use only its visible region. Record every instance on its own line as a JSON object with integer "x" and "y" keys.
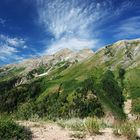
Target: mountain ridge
{"x": 62, "y": 55}
{"x": 91, "y": 87}
{"x": 90, "y": 51}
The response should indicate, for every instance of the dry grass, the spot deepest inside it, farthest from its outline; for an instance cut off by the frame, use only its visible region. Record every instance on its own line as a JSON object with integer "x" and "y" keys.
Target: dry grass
{"x": 127, "y": 129}
{"x": 92, "y": 126}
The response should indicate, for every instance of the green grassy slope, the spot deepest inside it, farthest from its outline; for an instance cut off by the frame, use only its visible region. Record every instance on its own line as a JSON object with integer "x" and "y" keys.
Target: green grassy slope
{"x": 132, "y": 84}
{"x": 67, "y": 91}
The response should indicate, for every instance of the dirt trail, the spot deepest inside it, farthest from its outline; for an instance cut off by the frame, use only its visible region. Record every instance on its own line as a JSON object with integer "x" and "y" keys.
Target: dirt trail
{"x": 138, "y": 132}
{"x": 127, "y": 110}
{"x": 47, "y": 131}
{"x": 107, "y": 134}
{"x": 128, "y": 106}
{"x": 51, "y": 131}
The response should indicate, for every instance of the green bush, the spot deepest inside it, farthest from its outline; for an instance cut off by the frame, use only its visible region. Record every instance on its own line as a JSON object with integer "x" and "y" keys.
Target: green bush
{"x": 12, "y": 99}
{"x": 127, "y": 129}
{"x": 112, "y": 89}
{"x": 83, "y": 102}
{"x": 74, "y": 124}
{"x": 10, "y": 130}
{"x": 122, "y": 76}
{"x": 25, "y": 111}
{"x": 136, "y": 106}
{"x": 92, "y": 126}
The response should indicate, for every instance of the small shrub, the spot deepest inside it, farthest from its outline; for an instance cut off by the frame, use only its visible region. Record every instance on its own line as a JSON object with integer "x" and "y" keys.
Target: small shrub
{"x": 74, "y": 124}
{"x": 61, "y": 123}
{"x": 25, "y": 111}
{"x": 35, "y": 118}
{"x": 10, "y": 130}
{"x": 136, "y": 106}
{"x": 127, "y": 129}
{"x": 92, "y": 126}
{"x": 116, "y": 130}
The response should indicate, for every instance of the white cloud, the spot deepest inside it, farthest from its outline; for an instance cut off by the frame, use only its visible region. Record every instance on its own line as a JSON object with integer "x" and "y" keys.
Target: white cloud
{"x": 7, "y": 50}
{"x": 25, "y": 47}
{"x": 8, "y": 53}
{"x": 10, "y": 47}
{"x": 72, "y": 43}
{"x": 15, "y": 42}
{"x": 72, "y": 23}
{"x": 124, "y": 6}
{"x": 67, "y": 20}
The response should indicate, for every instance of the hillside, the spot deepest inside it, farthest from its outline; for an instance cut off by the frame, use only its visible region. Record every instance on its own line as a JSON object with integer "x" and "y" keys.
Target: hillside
{"x": 74, "y": 84}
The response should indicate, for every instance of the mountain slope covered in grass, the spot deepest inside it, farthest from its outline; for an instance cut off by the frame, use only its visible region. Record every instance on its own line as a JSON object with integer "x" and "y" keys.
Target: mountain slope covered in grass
{"x": 92, "y": 86}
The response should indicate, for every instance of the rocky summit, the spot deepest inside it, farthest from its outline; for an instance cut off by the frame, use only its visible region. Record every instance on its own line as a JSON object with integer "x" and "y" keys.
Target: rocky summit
{"x": 50, "y": 60}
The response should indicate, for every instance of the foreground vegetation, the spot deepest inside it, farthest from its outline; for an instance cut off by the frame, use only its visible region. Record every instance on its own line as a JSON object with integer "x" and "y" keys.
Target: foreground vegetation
{"x": 68, "y": 99}
{"x": 94, "y": 126}
{"x": 11, "y": 130}
{"x": 127, "y": 129}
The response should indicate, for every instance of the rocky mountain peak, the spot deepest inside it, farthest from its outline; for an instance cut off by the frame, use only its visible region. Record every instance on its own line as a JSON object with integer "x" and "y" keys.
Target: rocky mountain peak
{"x": 65, "y": 54}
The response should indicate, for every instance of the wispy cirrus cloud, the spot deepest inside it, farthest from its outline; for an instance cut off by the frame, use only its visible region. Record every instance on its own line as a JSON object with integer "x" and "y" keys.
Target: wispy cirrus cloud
{"x": 10, "y": 47}
{"x": 71, "y": 23}
{"x": 124, "y": 6}
{"x": 69, "y": 18}
{"x": 7, "y": 52}
{"x": 128, "y": 27}
{"x": 15, "y": 42}
{"x": 77, "y": 25}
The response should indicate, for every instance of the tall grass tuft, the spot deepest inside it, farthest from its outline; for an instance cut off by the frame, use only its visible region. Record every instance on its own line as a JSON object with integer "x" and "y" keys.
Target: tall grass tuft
{"x": 74, "y": 124}
{"x": 127, "y": 129}
{"x": 92, "y": 126}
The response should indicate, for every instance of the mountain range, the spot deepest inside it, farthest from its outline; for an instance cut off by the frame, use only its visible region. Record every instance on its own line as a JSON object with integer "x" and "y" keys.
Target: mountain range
{"x": 66, "y": 83}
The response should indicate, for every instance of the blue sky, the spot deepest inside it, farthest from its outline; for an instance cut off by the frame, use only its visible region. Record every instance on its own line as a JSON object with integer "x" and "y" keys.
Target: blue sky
{"x": 31, "y": 28}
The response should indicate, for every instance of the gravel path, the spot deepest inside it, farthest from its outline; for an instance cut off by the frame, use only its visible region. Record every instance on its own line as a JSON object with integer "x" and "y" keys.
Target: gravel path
{"x": 47, "y": 131}
{"x": 128, "y": 106}
{"x": 51, "y": 131}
